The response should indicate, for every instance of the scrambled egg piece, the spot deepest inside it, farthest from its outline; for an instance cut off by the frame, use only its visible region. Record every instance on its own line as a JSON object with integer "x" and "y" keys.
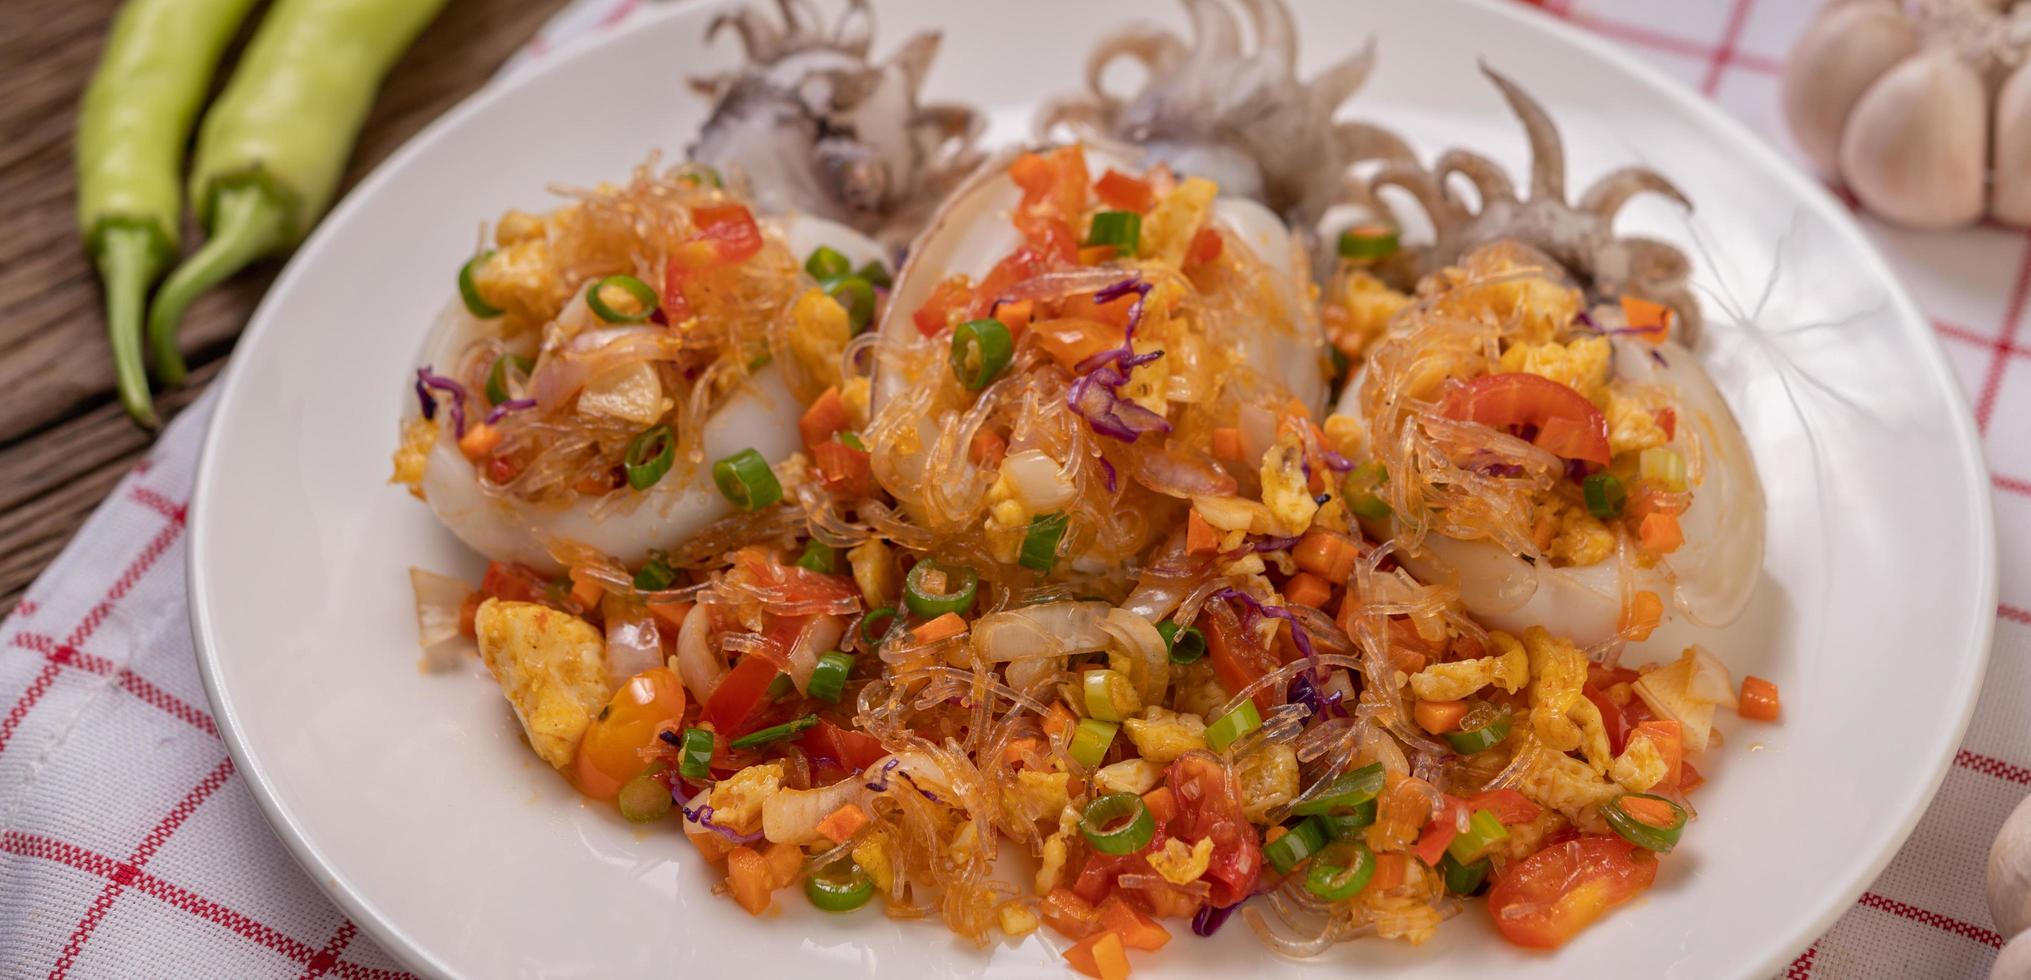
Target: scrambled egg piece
{"x": 1057, "y": 848}
{"x": 630, "y": 392}
{"x": 1407, "y": 911}
{"x": 1361, "y": 312}
{"x": 1346, "y": 435}
{"x": 819, "y": 330}
{"x": 1508, "y": 670}
{"x": 1631, "y": 426}
{"x": 1541, "y": 306}
{"x": 872, "y": 854}
{"x": 1016, "y": 919}
{"x": 1161, "y": 735}
{"x": 1560, "y": 713}
{"x": 412, "y": 457}
{"x": 552, "y": 667}
{"x": 874, "y": 570}
{"x": 1574, "y": 536}
{"x": 1286, "y": 491}
{"x": 1136, "y": 776}
{"x": 1268, "y": 778}
{"x": 1168, "y": 228}
{"x": 1182, "y": 864}
{"x": 1038, "y": 794}
{"x": 1196, "y": 690}
{"x": 1580, "y": 364}
{"x": 854, "y": 395}
{"x": 737, "y": 801}
{"x": 1527, "y": 837}
{"x": 1147, "y": 383}
{"x": 1640, "y": 766}
{"x": 1565, "y": 784}
{"x": 521, "y": 277}
{"x": 1007, "y": 523}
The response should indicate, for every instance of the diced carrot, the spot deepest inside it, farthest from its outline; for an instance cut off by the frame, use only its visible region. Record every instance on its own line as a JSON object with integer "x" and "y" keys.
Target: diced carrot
{"x": 1660, "y": 532}
{"x": 1137, "y": 931}
{"x": 1439, "y": 833}
{"x": 1019, "y": 749}
{"x": 948, "y": 625}
{"x": 1200, "y": 537}
{"x": 1669, "y": 738}
{"x": 747, "y": 876}
{"x": 826, "y": 416}
{"x": 987, "y": 448}
{"x": 1646, "y": 610}
{"x": 1122, "y": 192}
{"x": 1651, "y": 321}
{"x": 1096, "y": 254}
{"x": 1162, "y": 804}
{"x": 1070, "y": 339}
{"x": 1072, "y": 916}
{"x": 670, "y": 614}
{"x": 1667, "y": 419}
{"x": 585, "y": 590}
{"x": 1015, "y": 315}
{"x": 1227, "y": 444}
{"x": 1391, "y": 868}
{"x": 713, "y": 846}
{"x": 479, "y": 441}
{"x": 843, "y": 823}
{"x": 1328, "y": 554}
{"x": 1307, "y": 589}
{"x": 1114, "y": 312}
{"x": 784, "y": 860}
{"x": 1439, "y": 717}
{"x": 1205, "y": 247}
{"x": 1101, "y": 955}
{"x": 844, "y": 469}
{"x": 1656, "y": 813}
{"x": 1759, "y": 699}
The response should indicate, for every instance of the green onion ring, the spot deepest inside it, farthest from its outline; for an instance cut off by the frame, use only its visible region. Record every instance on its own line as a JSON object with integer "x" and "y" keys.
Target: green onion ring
{"x": 1091, "y": 740}
{"x": 774, "y": 733}
{"x": 1121, "y": 229}
{"x": 818, "y": 557}
{"x": 1334, "y": 882}
{"x": 747, "y": 481}
{"x": 1347, "y": 791}
{"x": 1605, "y": 495}
{"x": 869, "y": 639}
{"x": 1463, "y": 879}
{"x": 961, "y": 583}
{"x": 695, "y": 762}
{"x": 1118, "y": 823}
{"x": 834, "y": 892}
{"x": 1644, "y": 835}
{"x": 828, "y": 676}
{"x": 655, "y": 574}
{"x": 1185, "y": 644}
{"x": 469, "y": 290}
{"x": 1349, "y": 825}
{"x": 644, "y": 296}
{"x": 1368, "y": 243}
{"x": 497, "y": 376}
{"x": 856, "y": 295}
{"x": 1040, "y": 542}
{"x": 1480, "y": 735}
{"x": 827, "y": 262}
{"x": 643, "y": 467}
{"x": 1298, "y": 843}
{"x": 1231, "y": 726}
{"x": 981, "y": 350}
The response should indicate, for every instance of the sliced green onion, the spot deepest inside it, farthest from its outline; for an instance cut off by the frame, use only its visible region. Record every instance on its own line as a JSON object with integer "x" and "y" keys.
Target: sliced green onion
{"x": 1118, "y": 823}
{"x": 774, "y": 733}
{"x": 1663, "y": 466}
{"x": 639, "y": 291}
{"x": 876, "y": 274}
{"x": 656, "y": 574}
{"x": 649, "y": 456}
{"x": 1645, "y": 835}
{"x": 1367, "y": 476}
{"x": 1605, "y": 495}
{"x": 833, "y": 891}
{"x": 1185, "y": 643}
{"x": 827, "y": 262}
{"x": 818, "y": 557}
{"x": 644, "y": 799}
{"x": 780, "y": 687}
{"x": 1349, "y": 825}
{"x": 1368, "y": 242}
{"x": 745, "y": 479}
{"x": 1232, "y": 725}
{"x": 931, "y": 590}
{"x": 857, "y": 295}
{"x": 1300, "y": 842}
{"x": 1336, "y": 882}
{"x": 1090, "y": 741}
{"x": 1463, "y": 879}
{"x": 1484, "y": 830}
{"x": 1369, "y": 507}
{"x": 1347, "y": 791}
{"x": 828, "y": 678}
{"x": 695, "y": 760}
{"x": 1482, "y": 728}
{"x": 869, "y": 636}
{"x": 497, "y": 376}
{"x": 469, "y": 290}
{"x": 700, "y": 175}
{"x": 1040, "y": 542}
{"x": 1121, "y": 229}
{"x": 851, "y": 440}
{"x": 981, "y": 350}
{"x": 1109, "y": 695}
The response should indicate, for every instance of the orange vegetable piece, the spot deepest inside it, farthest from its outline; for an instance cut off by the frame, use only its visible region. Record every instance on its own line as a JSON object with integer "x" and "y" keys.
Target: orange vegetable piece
{"x": 1646, "y": 610}
{"x": 1122, "y": 192}
{"x": 1114, "y": 313}
{"x": 987, "y": 448}
{"x": 1072, "y": 916}
{"x": 1656, "y": 813}
{"x": 948, "y": 296}
{"x": 1689, "y": 778}
{"x": 1307, "y": 589}
{"x": 1162, "y": 804}
{"x": 1759, "y": 699}
{"x": 1137, "y": 931}
{"x": 827, "y": 415}
{"x": 843, "y": 823}
{"x": 1669, "y": 738}
{"x": 1227, "y": 444}
{"x": 783, "y": 860}
{"x": 479, "y": 441}
{"x": 1070, "y": 339}
{"x": 1206, "y": 246}
{"x": 1327, "y": 554}
{"x": 1390, "y": 870}
{"x": 1096, "y": 254}
{"x": 1101, "y": 955}
{"x": 948, "y": 625}
{"x": 1651, "y": 321}
{"x": 585, "y": 590}
{"x": 844, "y": 469}
{"x": 747, "y": 876}
{"x": 1058, "y": 719}
{"x": 1660, "y": 532}
{"x": 1439, "y": 717}
{"x": 1200, "y": 537}
{"x": 670, "y": 614}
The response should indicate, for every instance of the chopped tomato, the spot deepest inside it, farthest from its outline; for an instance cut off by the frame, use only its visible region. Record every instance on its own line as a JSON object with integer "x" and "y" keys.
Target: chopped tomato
{"x": 1046, "y": 242}
{"x": 1508, "y": 805}
{"x": 936, "y": 314}
{"x": 1667, "y": 419}
{"x": 735, "y": 701}
{"x": 1669, "y": 738}
{"x": 726, "y": 234}
{"x": 1121, "y": 192}
{"x": 1054, "y": 183}
{"x": 1237, "y": 659}
{"x": 850, "y": 748}
{"x": 1206, "y": 246}
{"x": 1137, "y": 930}
{"x": 1440, "y": 832}
{"x": 825, "y": 417}
{"x": 1547, "y": 898}
{"x": 1660, "y": 532}
{"x": 1207, "y": 809}
{"x": 1114, "y": 312}
{"x": 1070, "y": 340}
{"x": 1072, "y": 916}
{"x": 779, "y": 584}
{"x": 1759, "y": 699}
{"x": 511, "y": 582}
{"x": 1612, "y": 718}
{"x": 845, "y": 470}
{"x": 610, "y": 753}
{"x": 1567, "y": 424}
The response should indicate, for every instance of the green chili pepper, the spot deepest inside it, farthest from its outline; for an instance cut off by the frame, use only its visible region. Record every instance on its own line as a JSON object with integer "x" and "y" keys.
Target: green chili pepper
{"x": 273, "y": 147}
{"x": 132, "y": 133}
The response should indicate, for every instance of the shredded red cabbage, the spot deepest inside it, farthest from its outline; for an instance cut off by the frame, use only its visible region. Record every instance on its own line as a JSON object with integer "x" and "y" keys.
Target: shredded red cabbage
{"x": 702, "y": 816}
{"x": 1336, "y": 462}
{"x": 426, "y": 380}
{"x": 881, "y": 785}
{"x": 1096, "y": 395}
{"x": 1298, "y": 634}
{"x": 1107, "y": 470}
{"x": 1304, "y": 692}
{"x": 511, "y": 405}
{"x": 1209, "y": 919}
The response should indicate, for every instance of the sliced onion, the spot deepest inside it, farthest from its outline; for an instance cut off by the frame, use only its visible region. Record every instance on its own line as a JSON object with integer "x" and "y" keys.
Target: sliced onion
{"x": 791, "y": 816}
{"x": 440, "y": 601}
{"x": 1711, "y": 681}
{"x": 1038, "y": 481}
{"x": 1051, "y": 629}
{"x": 822, "y": 633}
{"x": 698, "y": 666}
{"x": 1180, "y": 472}
{"x": 1138, "y": 638}
{"x": 561, "y": 374}
{"x": 634, "y": 639}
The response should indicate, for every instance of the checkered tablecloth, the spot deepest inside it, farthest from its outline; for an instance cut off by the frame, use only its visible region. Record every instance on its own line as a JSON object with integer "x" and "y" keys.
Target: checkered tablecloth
{"x": 129, "y": 847}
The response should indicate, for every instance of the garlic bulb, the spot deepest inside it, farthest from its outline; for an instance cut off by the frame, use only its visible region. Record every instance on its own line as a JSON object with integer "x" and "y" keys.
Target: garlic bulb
{"x": 1922, "y": 107}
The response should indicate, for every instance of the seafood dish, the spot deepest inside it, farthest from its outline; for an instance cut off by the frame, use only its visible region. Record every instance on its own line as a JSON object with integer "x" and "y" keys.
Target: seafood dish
{"x": 1083, "y": 538}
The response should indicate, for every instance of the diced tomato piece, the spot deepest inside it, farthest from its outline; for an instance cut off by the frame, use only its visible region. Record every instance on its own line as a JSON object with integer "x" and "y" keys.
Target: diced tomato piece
{"x": 1114, "y": 312}
{"x": 1667, "y": 419}
{"x": 1508, "y": 805}
{"x": 1053, "y": 183}
{"x": 731, "y": 231}
{"x": 1547, "y": 898}
{"x": 1612, "y": 718}
{"x": 846, "y": 470}
{"x": 1121, "y": 192}
{"x": 1137, "y": 931}
{"x": 740, "y": 693}
{"x": 935, "y": 315}
{"x": 1440, "y": 832}
{"x": 1669, "y": 738}
{"x": 1237, "y": 659}
{"x": 853, "y": 749}
{"x": 1205, "y": 247}
{"x": 511, "y": 582}
{"x": 825, "y": 417}
{"x": 1072, "y": 916}
{"x": 1207, "y": 810}
{"x": 1568, "y": 425}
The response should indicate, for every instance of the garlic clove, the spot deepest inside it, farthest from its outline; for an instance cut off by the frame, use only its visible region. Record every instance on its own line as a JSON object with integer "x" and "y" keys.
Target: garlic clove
{"x": 1845, "y": 49}
{"x": 2010, "y": 202}
{"x": 1915, "y": 149}
{"x": 2010, "y": 873}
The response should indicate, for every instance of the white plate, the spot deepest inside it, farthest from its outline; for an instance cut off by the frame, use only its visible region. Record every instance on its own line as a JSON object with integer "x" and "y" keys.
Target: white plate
{"x": 411, "y": 799}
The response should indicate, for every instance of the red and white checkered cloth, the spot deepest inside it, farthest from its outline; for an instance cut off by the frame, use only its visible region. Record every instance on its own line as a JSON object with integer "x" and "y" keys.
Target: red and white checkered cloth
{"x": 129, "y": 847}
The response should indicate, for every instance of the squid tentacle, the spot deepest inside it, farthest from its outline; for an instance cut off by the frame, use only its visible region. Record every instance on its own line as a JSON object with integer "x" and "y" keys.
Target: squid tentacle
{"x": 1154, "y": 47}
{"x": 1489, "y": 179}
{"x": 1610, "y": 193}
{"x": 1274, "y": 33}
{"x": 1340, "y": 80}
{"x": 1547, "y": 151}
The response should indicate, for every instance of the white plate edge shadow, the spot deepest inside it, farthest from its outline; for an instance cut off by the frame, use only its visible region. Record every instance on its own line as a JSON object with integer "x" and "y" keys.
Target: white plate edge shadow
{"x": 1966, "y": 447}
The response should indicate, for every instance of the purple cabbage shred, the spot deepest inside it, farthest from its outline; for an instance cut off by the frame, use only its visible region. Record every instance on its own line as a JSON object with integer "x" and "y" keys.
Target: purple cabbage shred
{"x": 511, "y": 405}
{"x": 702, "y": 816}
{"x": 1209, "y": 919}
{"x": 1096, "y": 395}
{"x": 426, "y": 380}
{"x": 1256, "y": 608}
{"x": 1336, "y": 462}
{"x": 1107, "y": 470}
{"x": 881, "y": 785}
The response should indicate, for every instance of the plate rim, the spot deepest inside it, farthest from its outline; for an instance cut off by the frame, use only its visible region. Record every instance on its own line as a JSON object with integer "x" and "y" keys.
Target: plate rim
{"x": 1966, "y": 445}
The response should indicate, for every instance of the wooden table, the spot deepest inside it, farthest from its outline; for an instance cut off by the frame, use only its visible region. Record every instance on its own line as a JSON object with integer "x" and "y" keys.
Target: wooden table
{"x": 64, "y": 441}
